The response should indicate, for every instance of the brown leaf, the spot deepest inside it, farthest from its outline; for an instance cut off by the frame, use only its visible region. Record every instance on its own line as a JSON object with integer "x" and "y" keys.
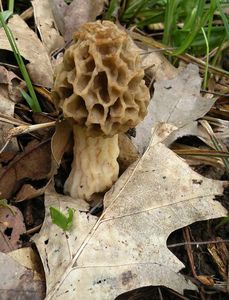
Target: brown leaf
{"x": 60, "y": 140}
{"x": 34, "y": 163}
{"x": 10, "y": 85}
{"x": 28, "y": 192}
{"x": 11, "y": 228}
{"x": 206, "y": 280}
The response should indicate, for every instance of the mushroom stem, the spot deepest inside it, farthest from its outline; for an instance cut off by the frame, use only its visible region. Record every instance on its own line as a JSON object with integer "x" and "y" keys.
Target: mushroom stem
{"x": 94, "y": 167}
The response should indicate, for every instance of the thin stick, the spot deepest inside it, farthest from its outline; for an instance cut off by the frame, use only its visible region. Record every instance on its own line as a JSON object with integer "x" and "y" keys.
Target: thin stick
{"x": 23, "y": 129}
{"x": 196, "y": 243}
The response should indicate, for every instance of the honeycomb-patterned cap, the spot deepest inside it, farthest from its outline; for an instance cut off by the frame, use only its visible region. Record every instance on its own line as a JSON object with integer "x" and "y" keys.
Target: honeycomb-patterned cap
{"x": 100, "y": 82}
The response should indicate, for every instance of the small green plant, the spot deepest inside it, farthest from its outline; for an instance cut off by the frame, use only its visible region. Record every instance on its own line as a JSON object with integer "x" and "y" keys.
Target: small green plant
{"x": 3, "y": 203}
{"x": 181, "y": 21}
{"x": 31, "y": 98}
{"x": 61, "y": 220}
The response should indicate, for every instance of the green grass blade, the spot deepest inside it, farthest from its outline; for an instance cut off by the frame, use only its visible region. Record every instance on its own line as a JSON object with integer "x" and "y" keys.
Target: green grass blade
{"x": 113, "y": 9}
{"x": 8, "y": 32}
{"x": 11, "y": 5}
{"x": 224, "y": 18}
{"x": 207, "y": 59}
{"x": 199, "y": 21}
{"x": 28, "y": 99}
{"x": 6, "y": 14}
{"x": 170, "y": 20}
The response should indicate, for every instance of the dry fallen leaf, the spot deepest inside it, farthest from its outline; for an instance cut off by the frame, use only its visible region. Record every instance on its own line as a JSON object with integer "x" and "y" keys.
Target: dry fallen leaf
{"x": 157, "y": 66}
{"x": 62, "y": 133}
{"x": 11, "y": 227}
{"x": 58, "y": 8}
{"x": 59, "y": 258}
{"x": 45, "y": 23}
{"x": 176, "y": 101}
{"x": 10, "y": 85}
{"x": 75, "y": 14}
{"x": 128, "y": 153}
{"x": 9, "y": 95}
{"x": 220, "y": 255}
{"x": 20, "y": 277}
{"x": 33, "y": 163}
{"x": 31, "y": 48}
{"x": 28, "y": 192}
{"x": 126, "y": 248}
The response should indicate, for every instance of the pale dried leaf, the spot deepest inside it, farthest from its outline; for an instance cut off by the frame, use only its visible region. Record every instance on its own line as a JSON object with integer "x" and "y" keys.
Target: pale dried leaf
{"x": 11, "y": 227}
{"x": 9, "y": 95}
{"x": 157, "y": 66}
{"x": 191, "y": 129}
{"x": 31, "y": 48}
{"x": 80, "y": 12}
{"x": 176, "y": 101}
{"x": 58, "y": 8}
{"x": 19, "y": 278}
{"x": 28, "y": 258}
{"x": 6, "y": 108}
{"x": 64, "y": 245}
{"x": 45, "y": 23}
{"x": 69, "y": 18}
{"x": 126, "y": 248}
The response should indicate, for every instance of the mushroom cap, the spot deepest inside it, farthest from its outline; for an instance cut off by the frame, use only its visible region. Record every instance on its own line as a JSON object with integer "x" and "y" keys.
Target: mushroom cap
{"x": 99, "y": 83}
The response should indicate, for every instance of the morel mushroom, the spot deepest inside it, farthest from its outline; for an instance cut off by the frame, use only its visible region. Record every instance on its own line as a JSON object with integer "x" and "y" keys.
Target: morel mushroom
{"x": 99, "y": 87}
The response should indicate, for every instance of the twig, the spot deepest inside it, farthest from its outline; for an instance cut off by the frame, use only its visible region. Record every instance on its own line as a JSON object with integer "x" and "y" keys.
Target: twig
{"x": 197, "y": 243}
{"x": 34, "y": 229}
{"x": 27, "y": 14}
{"x": 189, "y": 250}
{"x": 23, "y": 129}
{"x": 11, "y": 120}
{"x": 186, "y": 235}
{"x": 4, "y": 147}
{"x": 160, "y": 294}
{"x": 214, "y": 93}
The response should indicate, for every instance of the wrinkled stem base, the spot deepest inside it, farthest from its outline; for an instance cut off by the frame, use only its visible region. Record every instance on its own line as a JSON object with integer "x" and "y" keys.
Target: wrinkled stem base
{"x": 94, "y": 167}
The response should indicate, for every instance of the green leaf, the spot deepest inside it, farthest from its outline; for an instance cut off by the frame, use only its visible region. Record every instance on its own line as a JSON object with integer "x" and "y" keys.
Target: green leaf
{"x": 5, "y": 15}
{"x": 61, "y": 220}
{"x": 112, "y": 12}
{"x": 224, "y": 18}
{"x": 4, "y": 203}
